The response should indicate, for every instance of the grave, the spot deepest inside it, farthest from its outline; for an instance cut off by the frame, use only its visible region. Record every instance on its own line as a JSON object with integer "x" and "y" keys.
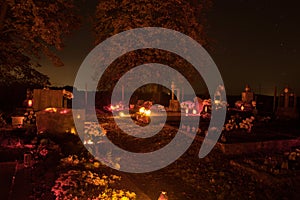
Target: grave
{"x": 247, "y": 102}
{"x": 247, "y": 95}
{"x": 59, "y": 120}
{"x": 287, "y": 105}
{"x": 45, "y": 98}
{"x": 174, "y": 105}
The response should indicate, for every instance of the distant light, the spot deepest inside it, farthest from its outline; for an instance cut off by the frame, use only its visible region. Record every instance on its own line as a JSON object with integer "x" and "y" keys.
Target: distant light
{"x": 65, "y": 111}
{"x": 147, "y": 112}
{"x": 29, "y": 103}
{"x": 217, "y": 101}
{"x": 73, "y": 131}
{"x": 242, "y": 108}
{"x": 163, "y": 196}
{"x": 88, "y": 142}
{"x": 51, "y": 109}
{"x": 142, "y": 110}
{"x": 194, "y": 111}
{"x": 121, "y": 114}
{"x": 78, "y": 116}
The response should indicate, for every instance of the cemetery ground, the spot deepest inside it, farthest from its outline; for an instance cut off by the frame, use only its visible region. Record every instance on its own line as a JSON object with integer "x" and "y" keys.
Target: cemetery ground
{"x": 63, "y": 169}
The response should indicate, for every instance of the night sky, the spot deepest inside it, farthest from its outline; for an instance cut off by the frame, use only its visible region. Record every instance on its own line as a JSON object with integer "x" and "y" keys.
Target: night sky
{"x": 256, "y": 43}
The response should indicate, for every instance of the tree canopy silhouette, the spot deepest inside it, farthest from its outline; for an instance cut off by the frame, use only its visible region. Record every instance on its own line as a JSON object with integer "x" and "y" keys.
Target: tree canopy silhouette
{"x": 115, "y": 16}
{"x": 30, "y": 29}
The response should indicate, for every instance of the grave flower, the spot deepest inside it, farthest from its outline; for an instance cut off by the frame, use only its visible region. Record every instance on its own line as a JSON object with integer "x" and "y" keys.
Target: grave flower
{"x": 89, "y": 185}
{"x": 44, "y": 152}
{"x": 29, "y": 117}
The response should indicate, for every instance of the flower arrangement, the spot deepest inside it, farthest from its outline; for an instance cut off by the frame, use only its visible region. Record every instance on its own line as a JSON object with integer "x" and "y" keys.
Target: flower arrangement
{"x": 236, "y": 122}
{"x": 29, "y": 117}
{"x": 94, "y": 129}
{"x": 247, "y": 124}
{"x": 76, "y": 184}
{"x": 74, "y": 160}
{"x": 40, "y": 152}
{"x": 93, "y": 132}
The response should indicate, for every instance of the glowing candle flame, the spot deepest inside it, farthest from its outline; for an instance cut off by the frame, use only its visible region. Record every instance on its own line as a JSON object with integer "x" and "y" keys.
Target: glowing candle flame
{"x": 147, "y": 112}
{"x": 51, "y": 109}
{"x": 142, "y": 110}
{"x": 73, "y": 131}
{"x": 29, "y": 103}
{"x": 121, "y": 114}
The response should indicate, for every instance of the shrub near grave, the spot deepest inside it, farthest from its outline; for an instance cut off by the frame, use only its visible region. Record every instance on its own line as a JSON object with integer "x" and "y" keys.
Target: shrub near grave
{"x": 82, "y": 177}
{"x": 86, "y": 184}
{"x": 77, "y": 184}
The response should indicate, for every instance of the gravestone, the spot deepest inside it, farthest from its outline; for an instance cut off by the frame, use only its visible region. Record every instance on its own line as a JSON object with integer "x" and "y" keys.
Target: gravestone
{"x": 174, "y": 104}
{"x": 247, "y": 95}
{"x": 45, "y": 98}
{"x": 287, "y": 105}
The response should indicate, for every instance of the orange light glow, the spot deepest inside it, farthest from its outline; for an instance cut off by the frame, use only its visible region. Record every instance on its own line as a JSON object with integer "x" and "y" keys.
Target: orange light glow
{"x": 65, "y": 111}
{"x": 88, "y": 142}
{"x": 73, "y": 130}
{"x": 122, "y": 114}
{"x": 147, "y": 112}
{"x": 51, "y": 109}
{"x": 29, "y": 103}
{"x": 186, "y": 111}
{"x": 142, "y": 110}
